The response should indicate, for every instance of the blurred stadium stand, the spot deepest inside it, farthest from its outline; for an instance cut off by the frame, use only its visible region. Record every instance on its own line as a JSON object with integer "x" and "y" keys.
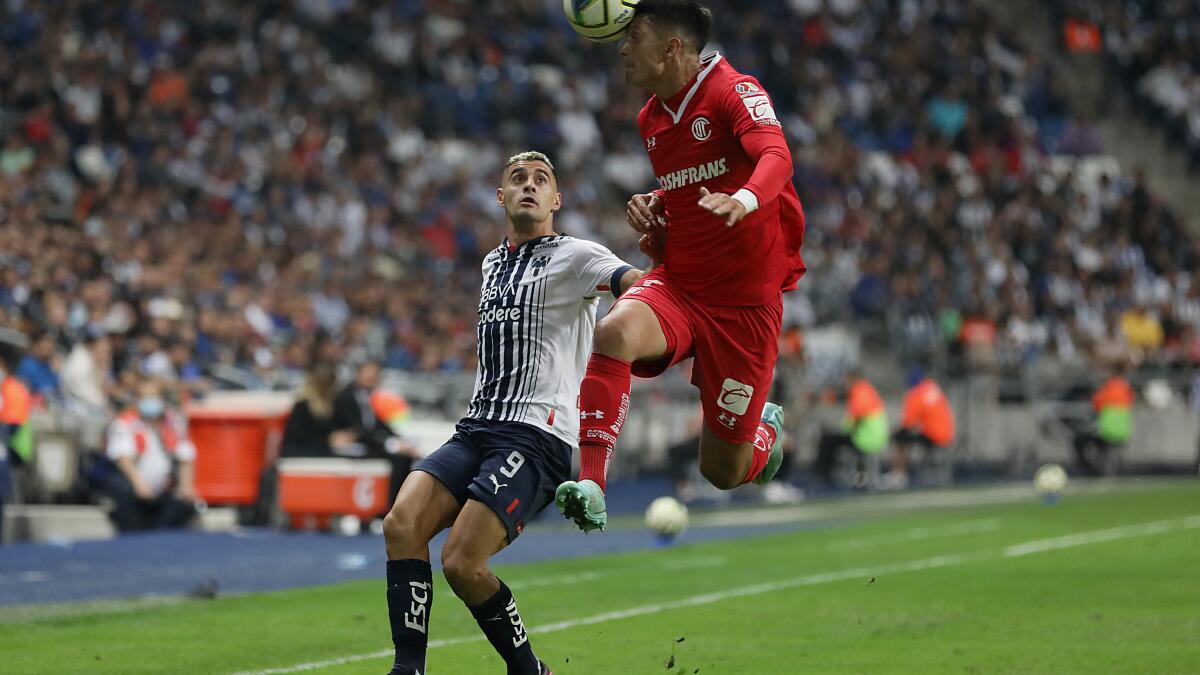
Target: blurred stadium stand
{"x": 230, "y": 192}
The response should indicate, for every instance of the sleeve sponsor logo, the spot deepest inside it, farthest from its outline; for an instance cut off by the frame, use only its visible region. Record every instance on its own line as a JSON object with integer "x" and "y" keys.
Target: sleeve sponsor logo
{"x": 746, "y": 88}
{"x": 759, "y": 107}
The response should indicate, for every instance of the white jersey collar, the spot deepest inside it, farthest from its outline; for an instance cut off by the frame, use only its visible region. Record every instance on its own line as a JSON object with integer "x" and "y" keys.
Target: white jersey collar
{"x": 710, "y": 61}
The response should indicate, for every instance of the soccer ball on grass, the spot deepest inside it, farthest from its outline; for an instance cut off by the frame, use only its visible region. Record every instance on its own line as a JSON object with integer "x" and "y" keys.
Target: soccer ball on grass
{"x": 599, "y": 20}
{"x": 1050, "y": 481}
{"x": 667, "y": 518}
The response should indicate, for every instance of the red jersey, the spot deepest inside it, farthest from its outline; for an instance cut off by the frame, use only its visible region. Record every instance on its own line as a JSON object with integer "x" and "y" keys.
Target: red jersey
{"x": 700, "y": 138}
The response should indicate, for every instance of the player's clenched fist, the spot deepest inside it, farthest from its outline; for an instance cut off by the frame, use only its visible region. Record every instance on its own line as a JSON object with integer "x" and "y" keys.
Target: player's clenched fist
{"x": 723, "y": 206}
{"x": 645, "y": 212}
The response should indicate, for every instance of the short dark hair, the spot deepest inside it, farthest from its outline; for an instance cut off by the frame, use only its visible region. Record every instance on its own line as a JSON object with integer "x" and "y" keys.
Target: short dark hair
{"x": 530, "y": 156}
{"x": 694, "y": 19}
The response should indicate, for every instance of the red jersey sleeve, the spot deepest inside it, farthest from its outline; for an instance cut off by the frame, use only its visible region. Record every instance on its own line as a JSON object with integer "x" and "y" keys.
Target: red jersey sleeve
{"x": 751, "y": 116}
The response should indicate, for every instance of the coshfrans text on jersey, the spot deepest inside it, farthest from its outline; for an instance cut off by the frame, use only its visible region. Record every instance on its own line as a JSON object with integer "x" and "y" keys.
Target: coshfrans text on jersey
{"x": 693, "y": 174}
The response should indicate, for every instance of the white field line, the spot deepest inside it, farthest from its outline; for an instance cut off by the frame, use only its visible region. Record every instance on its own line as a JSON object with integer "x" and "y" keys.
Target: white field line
{"x": 918, "y": 534}
{"x": 1097, "y": 536}
{"x": 1016, "y": 550}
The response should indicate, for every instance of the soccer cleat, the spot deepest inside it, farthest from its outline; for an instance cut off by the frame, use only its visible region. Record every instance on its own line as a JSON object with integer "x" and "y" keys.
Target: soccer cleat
{"x": 583, "y": 503}
{"x": 772, "y": 415}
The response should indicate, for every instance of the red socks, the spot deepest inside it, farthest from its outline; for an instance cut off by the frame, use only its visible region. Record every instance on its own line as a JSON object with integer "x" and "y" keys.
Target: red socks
{"x": 764, "y": 438}
{"x": 603, "y": 405}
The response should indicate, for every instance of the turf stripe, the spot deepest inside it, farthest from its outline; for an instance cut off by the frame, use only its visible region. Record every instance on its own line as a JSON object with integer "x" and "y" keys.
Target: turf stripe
{"x": 1016, "y": 550}
{"x": 918, "y": 534}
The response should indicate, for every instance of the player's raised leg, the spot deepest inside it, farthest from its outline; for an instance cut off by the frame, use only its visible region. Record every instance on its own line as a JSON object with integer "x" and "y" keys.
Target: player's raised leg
{"x": 631, "y": 332}
{"x": 477, "y": 535}
{"x": 423, "y": 508}
{"x": 727, "y": 465}
{"x": 736, "y": 348}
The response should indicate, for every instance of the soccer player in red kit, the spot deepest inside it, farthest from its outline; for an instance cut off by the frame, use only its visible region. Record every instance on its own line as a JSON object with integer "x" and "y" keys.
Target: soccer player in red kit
{"x": 730, "y": 248}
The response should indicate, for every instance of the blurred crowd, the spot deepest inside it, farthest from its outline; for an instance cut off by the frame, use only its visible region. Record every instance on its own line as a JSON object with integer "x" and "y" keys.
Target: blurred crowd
{"x": 218, "y": 194}
{"x": 1152, "y": 49}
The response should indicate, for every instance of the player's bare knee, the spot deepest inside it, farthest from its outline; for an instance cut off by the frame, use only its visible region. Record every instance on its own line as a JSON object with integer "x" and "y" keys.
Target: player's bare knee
{"x": 400, "y": 530}
{"x": 614, "y": 337}
{"x": 462, "y": 572}
{"x": 722, "y": 476}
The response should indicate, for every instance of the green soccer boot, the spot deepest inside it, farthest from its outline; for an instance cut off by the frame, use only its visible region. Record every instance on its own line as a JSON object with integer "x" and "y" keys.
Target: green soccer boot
{"x": 582, "y": 503}
{"x": 772, "y": 415}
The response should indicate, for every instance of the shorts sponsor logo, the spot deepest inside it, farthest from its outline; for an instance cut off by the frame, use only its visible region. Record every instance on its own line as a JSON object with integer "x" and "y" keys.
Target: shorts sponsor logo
{"x": 701, "y": 129}
{"x": 728, "y": 420}
{"x": 496, "y": 484}
{"x": 735, "y": 396}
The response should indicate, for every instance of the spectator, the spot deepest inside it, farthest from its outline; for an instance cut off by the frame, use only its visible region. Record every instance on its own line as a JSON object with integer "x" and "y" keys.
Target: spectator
{"x": 38, "y": 370}
{"x": 1098, "y": 450}
{"x": 15, "y": 440}
{"x": 355, "y": 410}
{"x": 154, "y": 485}
{"x": 310, "y": 430}
{"x": 864, "y": 430}
{"x": 927, "y": 423}
{"x": 1141, "y": 329}
{"x": 87, "y": 375}
{"x": 1081, "y": 35}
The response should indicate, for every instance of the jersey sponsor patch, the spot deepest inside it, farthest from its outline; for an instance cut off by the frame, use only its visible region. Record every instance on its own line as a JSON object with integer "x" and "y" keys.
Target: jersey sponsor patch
{"x": 760, "y": 109}
{"x": 746, "y": 88}
{"x": 693, "y": 174}
{"x": 735, "y": 396}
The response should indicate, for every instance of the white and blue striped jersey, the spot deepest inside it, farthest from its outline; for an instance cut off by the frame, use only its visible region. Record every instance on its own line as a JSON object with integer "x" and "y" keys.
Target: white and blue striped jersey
{"x": 537, "y": 313}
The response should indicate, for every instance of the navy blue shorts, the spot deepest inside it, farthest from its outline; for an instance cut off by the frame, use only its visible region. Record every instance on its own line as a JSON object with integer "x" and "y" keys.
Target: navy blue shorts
{"x": 512, "y": 468}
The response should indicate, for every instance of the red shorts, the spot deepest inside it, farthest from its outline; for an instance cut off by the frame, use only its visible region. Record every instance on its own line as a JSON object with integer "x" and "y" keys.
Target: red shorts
{"x": 735, "y": 350}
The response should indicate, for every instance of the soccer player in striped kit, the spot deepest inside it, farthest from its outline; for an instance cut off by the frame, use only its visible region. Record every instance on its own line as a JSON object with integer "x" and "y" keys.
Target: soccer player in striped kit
{"x": 537, "y": 313}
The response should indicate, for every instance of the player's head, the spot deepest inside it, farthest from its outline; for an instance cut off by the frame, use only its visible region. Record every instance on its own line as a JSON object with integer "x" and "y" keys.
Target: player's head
{"x": 528, "y": 190}
{"x": 663, "y": 33}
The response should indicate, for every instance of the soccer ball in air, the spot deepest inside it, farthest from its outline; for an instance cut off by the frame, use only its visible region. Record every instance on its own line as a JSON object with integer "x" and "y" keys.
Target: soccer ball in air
{"x": 599, "y": 20}
{"x": 666, "y": 517}
{"x": 1050, "y": 481}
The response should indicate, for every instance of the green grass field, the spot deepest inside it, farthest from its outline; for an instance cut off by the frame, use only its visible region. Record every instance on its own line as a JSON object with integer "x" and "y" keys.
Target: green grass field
{"x": 1097, "y": 583}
